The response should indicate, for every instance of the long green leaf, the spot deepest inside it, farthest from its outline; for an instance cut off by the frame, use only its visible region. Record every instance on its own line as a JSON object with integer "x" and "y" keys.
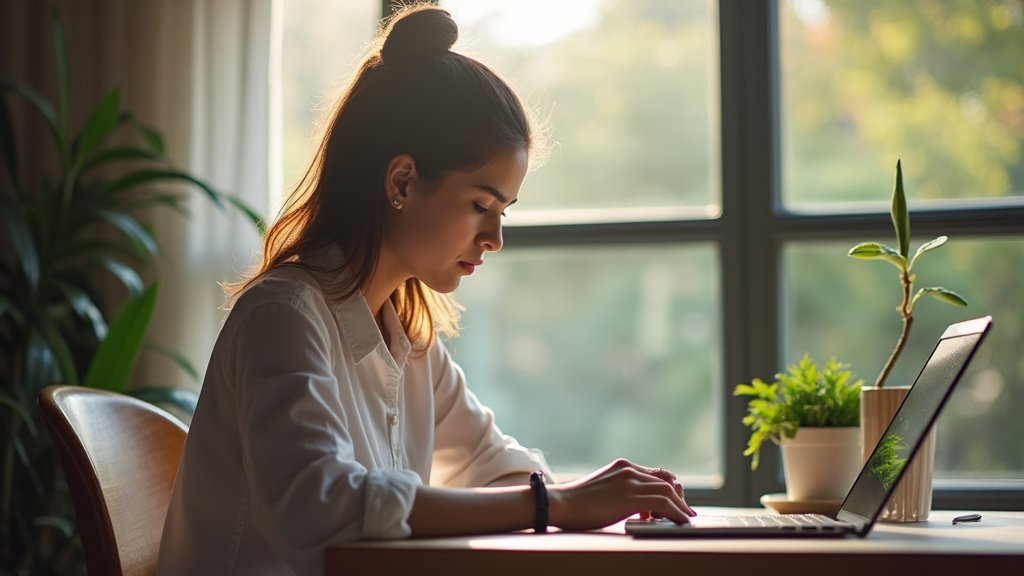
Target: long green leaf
{"x": 45, "y": 110}
{"x": 88, "y": 249}
{"x": 5, "y": 306}
{"x": 61, "y": 352}
{"x": 900, "y": 214}
{"x": 64, "y": 525}
{"x": 129, "y": 277}
{"x": 172, "y": 201}
{"x": 145, "y": 176}
{"x": 112, "y": 365}
{"x": 131, "y": 228}
{"x": 29, "y": 466}
{"x": 256, "y": 219}
{"x": 21, "y": 239}
{"x": 40, "y": 366}
{"x": 63, "y": 85}
{"x": 8, "y": 150}
{"x": 176, "y": 357}
{"x": 184, "y": 400}
{"x": 83, "y": 305}
{"x": 101, "y": 122}
{"x": 26, "y": 415}
{"x": 150, "y": 136}
{"x": 121, "y": 153}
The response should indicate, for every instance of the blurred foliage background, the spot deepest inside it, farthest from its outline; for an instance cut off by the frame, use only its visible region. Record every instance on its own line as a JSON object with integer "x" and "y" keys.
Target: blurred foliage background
{"x": 598, "y": 351}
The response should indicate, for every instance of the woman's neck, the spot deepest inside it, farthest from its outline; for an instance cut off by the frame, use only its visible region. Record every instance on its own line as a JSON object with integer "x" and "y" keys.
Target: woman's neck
{"x": 385, "y": 280}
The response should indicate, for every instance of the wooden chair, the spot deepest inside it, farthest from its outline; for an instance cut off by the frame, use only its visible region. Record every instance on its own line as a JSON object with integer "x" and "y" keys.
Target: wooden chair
{"x": 120, "y": 456}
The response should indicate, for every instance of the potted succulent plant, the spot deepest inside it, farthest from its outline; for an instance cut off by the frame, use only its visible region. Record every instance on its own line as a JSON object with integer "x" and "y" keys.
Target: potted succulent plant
{"x": 912, "y": 500}
{"x": 813, "y": 414}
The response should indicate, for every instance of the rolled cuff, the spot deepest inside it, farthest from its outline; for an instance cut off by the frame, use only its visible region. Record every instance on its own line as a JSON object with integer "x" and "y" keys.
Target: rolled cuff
{"x": 507, "y": 457}
{"x": 389, "y": 498}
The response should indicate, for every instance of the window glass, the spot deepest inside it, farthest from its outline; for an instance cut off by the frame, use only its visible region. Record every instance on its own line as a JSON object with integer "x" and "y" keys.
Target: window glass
{"x": 629, "y": 91}
{"x": 938, "y": 84}
{"x": 592, "y": 353}
{"x": 322, "y": 42}
{"x": 835, "y": 305}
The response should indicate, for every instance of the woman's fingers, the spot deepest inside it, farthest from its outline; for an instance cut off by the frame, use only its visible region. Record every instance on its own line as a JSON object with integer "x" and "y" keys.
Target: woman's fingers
{"x": 670, "y": 494}
{"x": 618, "y": 491}
{"x": 677, "y": 487}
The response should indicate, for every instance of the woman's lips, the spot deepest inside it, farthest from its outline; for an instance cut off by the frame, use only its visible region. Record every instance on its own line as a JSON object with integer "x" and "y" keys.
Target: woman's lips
{"x": 468, "y": 267}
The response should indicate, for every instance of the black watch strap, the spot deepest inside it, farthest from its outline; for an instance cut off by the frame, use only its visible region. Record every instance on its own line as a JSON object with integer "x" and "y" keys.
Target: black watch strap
{"x": 540, "y": 492}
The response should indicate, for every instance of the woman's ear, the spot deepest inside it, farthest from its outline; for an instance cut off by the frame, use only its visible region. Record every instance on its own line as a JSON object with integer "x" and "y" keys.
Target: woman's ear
{"x": 401, "y": 172}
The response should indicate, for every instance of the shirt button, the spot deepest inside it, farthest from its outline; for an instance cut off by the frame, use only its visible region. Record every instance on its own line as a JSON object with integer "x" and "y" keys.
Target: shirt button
{"x": 393, "y": 419}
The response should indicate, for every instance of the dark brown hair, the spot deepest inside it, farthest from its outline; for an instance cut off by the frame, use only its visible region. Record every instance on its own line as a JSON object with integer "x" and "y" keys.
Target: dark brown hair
{"x": 411, "y": 95}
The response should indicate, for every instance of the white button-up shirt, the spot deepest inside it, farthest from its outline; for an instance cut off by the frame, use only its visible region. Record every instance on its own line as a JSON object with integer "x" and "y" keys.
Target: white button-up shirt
{"x": 311, "y": 431}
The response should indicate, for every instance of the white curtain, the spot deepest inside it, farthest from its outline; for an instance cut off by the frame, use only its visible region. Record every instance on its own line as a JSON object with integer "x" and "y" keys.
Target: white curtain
{"x": 201, "y": 72}
{"x": 222, "y": 110}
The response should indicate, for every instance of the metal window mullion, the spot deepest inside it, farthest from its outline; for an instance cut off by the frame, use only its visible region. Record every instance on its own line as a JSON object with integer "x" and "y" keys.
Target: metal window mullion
{"x": 749, "y": 250}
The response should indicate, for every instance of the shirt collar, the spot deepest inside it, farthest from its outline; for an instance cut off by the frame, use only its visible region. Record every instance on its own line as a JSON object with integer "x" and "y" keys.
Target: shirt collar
{"x": 361, "y": 331}
{"x": 356, "y": 321}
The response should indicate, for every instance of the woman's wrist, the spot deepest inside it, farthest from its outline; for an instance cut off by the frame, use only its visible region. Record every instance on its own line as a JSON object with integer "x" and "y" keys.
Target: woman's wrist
{"x": 556, "y": 505}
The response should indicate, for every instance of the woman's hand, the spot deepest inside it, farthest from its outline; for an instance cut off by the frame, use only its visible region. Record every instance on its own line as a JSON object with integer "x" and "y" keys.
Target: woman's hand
{"x": 614, "y": 492}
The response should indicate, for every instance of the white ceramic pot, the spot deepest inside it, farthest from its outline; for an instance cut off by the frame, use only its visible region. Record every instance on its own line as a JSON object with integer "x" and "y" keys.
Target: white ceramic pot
{"x": 912, "y": 499}
{"x": 821, "y": 463}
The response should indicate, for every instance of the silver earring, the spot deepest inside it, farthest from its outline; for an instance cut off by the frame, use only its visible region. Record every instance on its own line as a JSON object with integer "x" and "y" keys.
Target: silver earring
{"x": 397, "y": 203}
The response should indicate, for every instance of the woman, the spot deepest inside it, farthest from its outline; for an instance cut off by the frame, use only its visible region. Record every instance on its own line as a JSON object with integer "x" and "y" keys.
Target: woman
{"x": 330, "y": 411}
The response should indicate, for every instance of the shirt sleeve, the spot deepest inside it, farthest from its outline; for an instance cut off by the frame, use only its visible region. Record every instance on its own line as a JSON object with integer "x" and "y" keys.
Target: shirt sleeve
{"x": 469, "y": 448}
{"x": 307, "y": 491}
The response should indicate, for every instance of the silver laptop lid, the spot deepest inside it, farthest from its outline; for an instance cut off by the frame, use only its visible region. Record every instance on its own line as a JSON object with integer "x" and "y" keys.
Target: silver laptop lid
{"x": 917, "y": 414}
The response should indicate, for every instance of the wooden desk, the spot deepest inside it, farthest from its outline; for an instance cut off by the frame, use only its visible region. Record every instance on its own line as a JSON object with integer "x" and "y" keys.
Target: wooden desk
{"x": 993, "y": 546}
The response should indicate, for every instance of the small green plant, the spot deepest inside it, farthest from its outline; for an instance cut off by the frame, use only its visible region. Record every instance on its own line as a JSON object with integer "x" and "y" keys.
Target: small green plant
{"x": 901, "y": 259}
{"x": 804, "y": 396}
{"x": 887, "y": 464}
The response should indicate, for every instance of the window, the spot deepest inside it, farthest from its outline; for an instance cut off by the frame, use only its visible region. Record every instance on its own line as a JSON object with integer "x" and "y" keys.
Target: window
{"x": 940, "y": 84}
{"x": 937, "y": 83}
{"x": 714, "y": 161}
{"x": 575, "y": 341}
{"x": 576, "y": 346}
{"x": 322, "y": 41}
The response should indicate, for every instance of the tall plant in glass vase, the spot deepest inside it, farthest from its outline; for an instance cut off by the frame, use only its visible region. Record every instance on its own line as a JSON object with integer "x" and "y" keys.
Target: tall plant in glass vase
{"x": 911, "y": 501}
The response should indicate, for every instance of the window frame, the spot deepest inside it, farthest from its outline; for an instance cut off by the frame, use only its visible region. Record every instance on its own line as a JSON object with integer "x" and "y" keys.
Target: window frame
{"x": 751, "y": 234}
{"x": 751, "y": 138}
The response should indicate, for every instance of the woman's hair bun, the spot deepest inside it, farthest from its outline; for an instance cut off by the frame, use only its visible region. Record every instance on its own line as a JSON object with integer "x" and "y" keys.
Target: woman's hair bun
{"x": 423, "y": 31}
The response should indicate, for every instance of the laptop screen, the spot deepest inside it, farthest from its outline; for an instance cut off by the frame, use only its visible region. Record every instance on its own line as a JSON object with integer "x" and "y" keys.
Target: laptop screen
{"x": 911, "y": 423}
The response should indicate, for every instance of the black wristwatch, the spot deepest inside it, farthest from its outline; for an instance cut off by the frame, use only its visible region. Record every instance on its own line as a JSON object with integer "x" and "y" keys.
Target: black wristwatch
{"x": 540, "y": 491}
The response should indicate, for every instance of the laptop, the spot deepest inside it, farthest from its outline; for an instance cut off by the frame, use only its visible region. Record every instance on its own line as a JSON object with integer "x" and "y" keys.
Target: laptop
{"x": 869, "y": 493}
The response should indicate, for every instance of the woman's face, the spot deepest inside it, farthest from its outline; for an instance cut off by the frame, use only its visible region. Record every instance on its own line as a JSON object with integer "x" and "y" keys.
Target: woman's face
{"x": 443, "y": 230}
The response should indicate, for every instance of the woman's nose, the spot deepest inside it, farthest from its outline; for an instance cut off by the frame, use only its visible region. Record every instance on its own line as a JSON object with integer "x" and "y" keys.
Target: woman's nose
{"x": 490, "y": 236}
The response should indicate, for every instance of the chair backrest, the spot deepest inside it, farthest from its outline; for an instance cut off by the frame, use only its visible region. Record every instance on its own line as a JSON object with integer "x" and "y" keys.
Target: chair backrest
{"x": 120, "y": 456}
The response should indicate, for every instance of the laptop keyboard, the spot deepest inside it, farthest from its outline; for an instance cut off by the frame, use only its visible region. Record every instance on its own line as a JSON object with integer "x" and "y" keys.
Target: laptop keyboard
{"x": 782, "y": 520}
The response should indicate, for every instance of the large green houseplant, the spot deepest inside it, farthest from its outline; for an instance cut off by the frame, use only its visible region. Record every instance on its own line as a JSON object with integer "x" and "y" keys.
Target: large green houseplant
{"x": 64, "y": 238}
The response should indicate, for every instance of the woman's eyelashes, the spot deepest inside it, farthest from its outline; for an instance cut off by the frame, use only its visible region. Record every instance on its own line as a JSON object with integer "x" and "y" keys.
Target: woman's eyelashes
{"x": 485, "y": 209}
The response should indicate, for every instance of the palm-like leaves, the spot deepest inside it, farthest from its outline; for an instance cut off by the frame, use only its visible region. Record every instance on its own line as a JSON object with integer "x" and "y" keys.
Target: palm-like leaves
{"x": 69, "y": 235}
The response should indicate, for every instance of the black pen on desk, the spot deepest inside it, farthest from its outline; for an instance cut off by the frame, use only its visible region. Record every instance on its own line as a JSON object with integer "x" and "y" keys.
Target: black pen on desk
{"x": 967, "y": 518}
